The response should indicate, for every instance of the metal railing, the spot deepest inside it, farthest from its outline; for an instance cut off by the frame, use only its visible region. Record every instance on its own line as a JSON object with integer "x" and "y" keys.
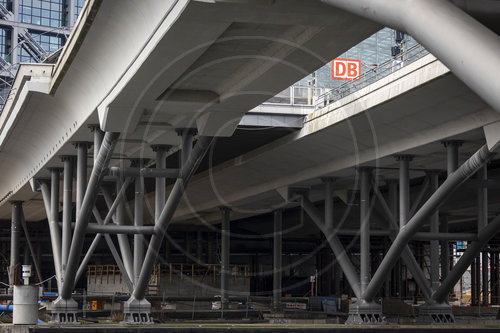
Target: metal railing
{"x": 297, "y": 95}
{"x": 383, "y": 70}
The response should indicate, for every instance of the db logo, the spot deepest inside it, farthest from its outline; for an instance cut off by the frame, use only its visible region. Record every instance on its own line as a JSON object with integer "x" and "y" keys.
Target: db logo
{"x": 346, "y": 69}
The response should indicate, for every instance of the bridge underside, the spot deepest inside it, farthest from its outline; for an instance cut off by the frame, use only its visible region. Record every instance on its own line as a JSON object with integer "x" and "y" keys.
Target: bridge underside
{"x": 388, "y": 193}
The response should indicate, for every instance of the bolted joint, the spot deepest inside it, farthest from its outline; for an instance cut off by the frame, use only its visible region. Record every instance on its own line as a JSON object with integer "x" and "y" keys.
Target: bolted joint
{"x": 79, "y": 144}
{"x": 68, "y": 158}
{"x": 404, "y": 157}
{"x": 95, "y": 127}
{"x": 182, "y": 131}
{"x": 160, "y": 148}
{"x": 138, "y": 162}
{"x": 452, "y": 143}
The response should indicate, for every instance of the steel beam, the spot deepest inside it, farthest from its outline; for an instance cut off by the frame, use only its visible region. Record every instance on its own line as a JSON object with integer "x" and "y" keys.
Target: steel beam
{"x": 277, "y": 257}
{"x": 452, "y": 155}
{"x": 364, "y": 215}
{"x": 15, "y": 231}
{"x": 465, "y": 38}
{"x": 451, "y": 165}
{"x": 138, "y": 222}
{"x": 160, "y": 182}
{"x": 434, "y": 245}
{"x": 482, "y": 221}
{"x": 473, "y": 250}
{"x": 165, "y": 218}
{"x": 81, "y": 172}
{"x": 120, "y": 229}
{"x": 421, "y": 216}
{"x": 55, "y": 235}
{"x": 54, "y": 217}
{"x": 98, "y": 137}
{"x": 335, "y": 244}
{"x": 225, "y": 250}
{"x": 404, "y": 188}
{"x": 329, "y": 201}
{"x": 67, "y": 209}
{"x": 83, "y": 216}
{"x": 144, "y": 172}
{"x": 186, "y": 135}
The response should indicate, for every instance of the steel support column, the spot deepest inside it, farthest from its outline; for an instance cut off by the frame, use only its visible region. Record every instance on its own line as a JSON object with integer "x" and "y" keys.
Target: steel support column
{"x": 15, "y": 231}
{"x": 364, "y": 214}
{"x": 482, "y": 221}
{"x": 83, "y": 216}
{"x": 81, "y": 172}
{"x": 160, "y": 182}
{"x": 473, "y": 289}
{"x": 421, "y": 216}
{"x": 54, "y": 219}
{"x": 98, "y": 137}
{"x": 137, "y": 304}
{"x": 30, "y": 245}
{"x": 393, "y": 209}
{"x": 404, "y": 188}
{"x": 225, "y": 251}
{"x": 434, "y": 244}
{"x": 451, "y": 165}
{"x": 277, "y": 257}
{"x": 138, "y": 222}
{"x": 186, "y": 135}
{"x": 329, "y": 223}
{"x": 67, "y": 208}
{"x": 363, "y": 311}
{"x": 54, "y": 232}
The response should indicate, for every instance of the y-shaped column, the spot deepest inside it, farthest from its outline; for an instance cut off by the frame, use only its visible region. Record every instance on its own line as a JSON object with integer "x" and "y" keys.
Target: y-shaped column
{"x": 64, "y": 305}
{"x": 137, "y": 308}
{"x": 421, "y": 216}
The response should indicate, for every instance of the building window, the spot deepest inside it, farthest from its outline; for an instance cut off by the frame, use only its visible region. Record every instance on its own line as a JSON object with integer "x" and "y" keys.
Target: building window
{"x": 78, "y": 7}
{"x": 5, "y": 43}
{"x": 48, "y": 13}
{"x": 49, "y": 42}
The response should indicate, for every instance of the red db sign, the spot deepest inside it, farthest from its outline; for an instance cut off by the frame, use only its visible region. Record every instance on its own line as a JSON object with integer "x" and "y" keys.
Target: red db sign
{"x": 346, "y": 69}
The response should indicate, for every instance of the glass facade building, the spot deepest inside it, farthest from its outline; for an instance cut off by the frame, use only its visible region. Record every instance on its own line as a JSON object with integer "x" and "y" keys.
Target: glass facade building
{"x": 30, "y": 31}
{"x": 45, "y": 22}
{"x": 375, "y": 53}
{"x": 50, "y": 13}
{"x": 372, "y": 52}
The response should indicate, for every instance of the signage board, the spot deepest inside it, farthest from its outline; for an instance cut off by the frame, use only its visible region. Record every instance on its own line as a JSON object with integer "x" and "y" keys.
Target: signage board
{"x": 346, "y": 69}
